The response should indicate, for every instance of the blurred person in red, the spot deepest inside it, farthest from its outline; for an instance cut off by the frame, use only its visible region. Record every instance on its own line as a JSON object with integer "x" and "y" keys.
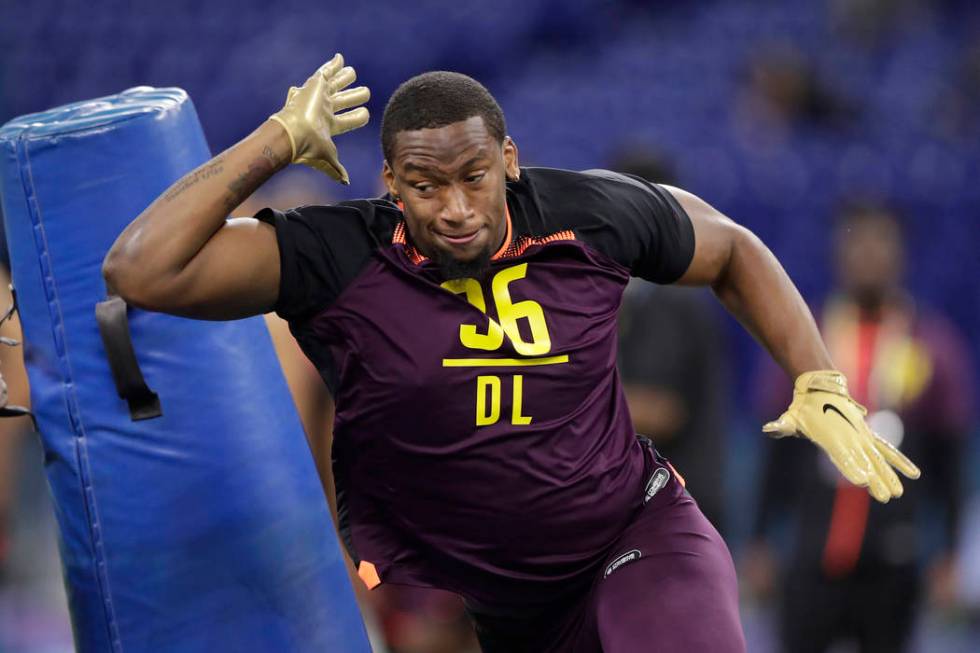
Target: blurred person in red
{"x": 855, "y": 569}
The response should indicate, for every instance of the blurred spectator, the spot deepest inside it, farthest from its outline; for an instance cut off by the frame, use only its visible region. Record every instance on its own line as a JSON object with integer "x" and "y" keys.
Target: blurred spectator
{"x": 33, "y": 607}
{"x": 855, "y": 570}
{"x": 673, "y": 361}
{"x": 12, "y": 429}
{"x": 781, "y": 93}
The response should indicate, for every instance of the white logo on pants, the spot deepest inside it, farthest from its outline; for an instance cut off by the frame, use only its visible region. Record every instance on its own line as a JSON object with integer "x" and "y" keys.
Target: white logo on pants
{"x": 629, "y": 556}
{"x": 656, "y": 483}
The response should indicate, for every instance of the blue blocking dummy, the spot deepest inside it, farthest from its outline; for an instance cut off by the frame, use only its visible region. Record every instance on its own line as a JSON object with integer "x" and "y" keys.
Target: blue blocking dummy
{"x": 204, "y": 529}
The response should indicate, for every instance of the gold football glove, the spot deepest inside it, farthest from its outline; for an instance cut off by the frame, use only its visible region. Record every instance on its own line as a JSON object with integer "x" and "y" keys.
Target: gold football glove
{"x": 310, "y": 116}
{"x": 823, "y": 412}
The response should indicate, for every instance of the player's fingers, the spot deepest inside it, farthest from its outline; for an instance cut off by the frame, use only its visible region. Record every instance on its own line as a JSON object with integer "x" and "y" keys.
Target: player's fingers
{"x": 353, "y": 119}
{"x": 853, "y": 467}
{"x": 892, "y": 481}
{"x": 896, "y": 458}
{"x": 878, "y": 490}
{"x": 884, "y": 475}
{"x": 782, "y": 427}
{"x": 876, "y": 485}
{"x": 333, "y": 168}
{"x": 333, "y": 171}
{"x": 293, "y": 90}
{"x": 330, "y": 68}
{"x": 848, "y": 458}
{"x": 323, "y": 74}
{"x": 885, "y": 470}
{"x": 351, "y": 98}
{"x": 342, "y": 175}
{"x": 342, "y": 79}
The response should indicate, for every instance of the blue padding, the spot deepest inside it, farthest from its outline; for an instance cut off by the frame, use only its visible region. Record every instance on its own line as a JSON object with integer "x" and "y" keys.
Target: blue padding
{"x": 202, "y": 530}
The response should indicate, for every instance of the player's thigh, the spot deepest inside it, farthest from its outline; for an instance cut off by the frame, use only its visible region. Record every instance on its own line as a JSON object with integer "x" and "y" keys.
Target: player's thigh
{"x": 670, "y": 586}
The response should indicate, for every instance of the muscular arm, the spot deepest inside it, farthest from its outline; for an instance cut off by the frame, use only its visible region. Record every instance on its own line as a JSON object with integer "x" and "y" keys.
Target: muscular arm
{"x": 753, "y": 286}
{"x": 182, "y": 256}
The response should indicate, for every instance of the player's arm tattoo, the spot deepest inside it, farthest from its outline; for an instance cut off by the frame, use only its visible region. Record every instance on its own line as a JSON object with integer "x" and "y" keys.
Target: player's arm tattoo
{"x": 210, "y": 169}
{"x": 260, "y": 169}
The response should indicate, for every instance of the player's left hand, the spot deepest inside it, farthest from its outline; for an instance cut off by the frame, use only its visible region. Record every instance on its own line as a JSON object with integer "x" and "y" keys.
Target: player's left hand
{"x": 317, "y": 111}
{"x": 824, "y": 412}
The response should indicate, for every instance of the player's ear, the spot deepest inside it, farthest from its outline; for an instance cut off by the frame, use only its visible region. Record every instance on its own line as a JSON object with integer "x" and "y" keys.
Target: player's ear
{"x": 388, "y": 176}
{"x": 511, "y": 167}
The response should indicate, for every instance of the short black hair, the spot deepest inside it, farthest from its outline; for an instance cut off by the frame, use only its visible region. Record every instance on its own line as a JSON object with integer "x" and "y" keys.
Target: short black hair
{"x": 436, "y": 99}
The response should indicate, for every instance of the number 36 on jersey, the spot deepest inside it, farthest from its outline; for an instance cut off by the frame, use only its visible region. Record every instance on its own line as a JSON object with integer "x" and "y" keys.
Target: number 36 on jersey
{"x": 533, "y": 350}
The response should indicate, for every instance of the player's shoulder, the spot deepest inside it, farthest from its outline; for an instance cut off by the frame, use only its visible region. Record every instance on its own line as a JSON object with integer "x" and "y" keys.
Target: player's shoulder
{"x": 570, "y": 180}
{"x": 581, "y": 195}
{"x": 572, "y": 199}
{"x": 367, "y": 221}
{"x": 323, "y": 248}
{"x": 577, "y": 184}
{"x": 632, "y": 221}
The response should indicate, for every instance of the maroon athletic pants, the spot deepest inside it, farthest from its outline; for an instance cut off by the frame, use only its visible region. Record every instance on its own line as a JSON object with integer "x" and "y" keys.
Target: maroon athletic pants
{"x": 667, "y": 585}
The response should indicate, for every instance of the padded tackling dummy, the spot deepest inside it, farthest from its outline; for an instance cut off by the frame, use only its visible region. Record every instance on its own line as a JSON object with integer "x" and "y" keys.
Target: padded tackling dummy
{"x": 204, "y": 529}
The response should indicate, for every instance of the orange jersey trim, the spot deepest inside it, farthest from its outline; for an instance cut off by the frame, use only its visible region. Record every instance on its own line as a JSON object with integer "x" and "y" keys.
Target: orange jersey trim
{"x": 509, "y": 248}
{"x": 369, "y": 574}
{"x": 524, "y": 242}
{"x": 678, "y": 475}
{"x": 399, "y": 238}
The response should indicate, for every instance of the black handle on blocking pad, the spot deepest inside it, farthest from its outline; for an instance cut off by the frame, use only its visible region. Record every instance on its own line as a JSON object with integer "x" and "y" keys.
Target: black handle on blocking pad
{"x": 114, "y": 329}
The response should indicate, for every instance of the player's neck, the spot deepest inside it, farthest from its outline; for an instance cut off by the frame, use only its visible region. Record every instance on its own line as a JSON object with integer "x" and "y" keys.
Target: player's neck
{"x": 504, "y": 233}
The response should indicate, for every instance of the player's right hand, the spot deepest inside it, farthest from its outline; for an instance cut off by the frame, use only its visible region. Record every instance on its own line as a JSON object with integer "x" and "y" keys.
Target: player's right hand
{"x": 311, "y": 116}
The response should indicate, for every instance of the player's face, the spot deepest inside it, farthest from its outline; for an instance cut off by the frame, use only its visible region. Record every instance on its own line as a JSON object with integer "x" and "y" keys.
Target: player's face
{"x": 452, "y": 182}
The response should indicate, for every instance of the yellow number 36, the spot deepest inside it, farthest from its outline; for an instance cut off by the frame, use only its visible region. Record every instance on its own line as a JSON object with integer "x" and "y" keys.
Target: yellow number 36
{"x": 508, "y": 311}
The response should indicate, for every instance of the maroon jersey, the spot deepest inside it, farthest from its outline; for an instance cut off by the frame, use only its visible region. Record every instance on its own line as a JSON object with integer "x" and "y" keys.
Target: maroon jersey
{"x": 482, "y": 441}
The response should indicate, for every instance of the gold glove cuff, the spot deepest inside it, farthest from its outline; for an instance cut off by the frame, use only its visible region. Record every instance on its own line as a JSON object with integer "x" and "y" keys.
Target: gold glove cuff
{"x": 822, "y": 381}
{"x": 292, "y": 142}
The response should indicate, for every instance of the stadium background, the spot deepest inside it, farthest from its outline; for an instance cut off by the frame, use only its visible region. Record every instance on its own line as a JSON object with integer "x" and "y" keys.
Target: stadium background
{"x": 774, "y": 112}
